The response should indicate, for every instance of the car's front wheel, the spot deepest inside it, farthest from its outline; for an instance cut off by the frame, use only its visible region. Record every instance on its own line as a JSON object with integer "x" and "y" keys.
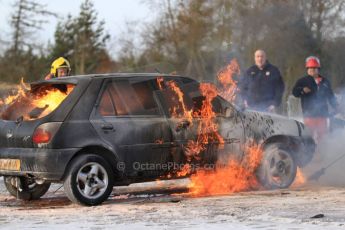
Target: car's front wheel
{"x": 278, "y": 167}
{"x": 25, "y": 188}
{"x": 89, "y": 180}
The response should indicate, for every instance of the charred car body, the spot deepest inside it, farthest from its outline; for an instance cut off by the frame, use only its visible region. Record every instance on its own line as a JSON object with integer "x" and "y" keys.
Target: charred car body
{"x": 109, "y": 126}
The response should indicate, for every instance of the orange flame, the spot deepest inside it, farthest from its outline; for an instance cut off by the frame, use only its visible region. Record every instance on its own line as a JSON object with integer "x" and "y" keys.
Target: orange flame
{"x": 26, "y": 102}
{"x": 160, "y": 81}
{"x": 299, "y": 179}
{"x": 20, "y": 92}
{"x": 185, "y": 113}
{"x": 229, "y": 89}
{"x": 186, "y": 170}
{"x": 235, "y": 176}
{"x": 51, "y": 98}
{"x": 207, "y": 128}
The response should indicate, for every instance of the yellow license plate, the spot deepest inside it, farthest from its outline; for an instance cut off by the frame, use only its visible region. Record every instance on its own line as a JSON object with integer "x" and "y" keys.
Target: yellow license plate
{"x": 10, "y": 164}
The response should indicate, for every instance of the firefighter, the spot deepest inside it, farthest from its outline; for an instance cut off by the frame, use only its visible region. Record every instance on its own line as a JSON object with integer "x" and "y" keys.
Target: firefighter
{"x": 59, "y": 68}
{"x": 316, "y": 93}
{"x": 262, "y": 86}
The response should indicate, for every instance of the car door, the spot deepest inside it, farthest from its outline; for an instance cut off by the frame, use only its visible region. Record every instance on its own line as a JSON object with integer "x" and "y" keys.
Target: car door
{"x": 231, "y": 129}
{"x": 188, "y": 127}
{"x": 127, "y": 117}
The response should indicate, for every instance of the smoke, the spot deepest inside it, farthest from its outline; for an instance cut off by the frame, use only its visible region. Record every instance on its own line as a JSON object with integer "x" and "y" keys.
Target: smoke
{"x": 330, "y": 153}
{"x": 329, "y": 156}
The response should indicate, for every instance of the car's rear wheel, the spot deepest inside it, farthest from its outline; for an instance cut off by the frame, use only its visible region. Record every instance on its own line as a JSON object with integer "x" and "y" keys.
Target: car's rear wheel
{"x": 89, "y": 180}
{"x": 278, "y": 167}
{"x": 25, "y": 188}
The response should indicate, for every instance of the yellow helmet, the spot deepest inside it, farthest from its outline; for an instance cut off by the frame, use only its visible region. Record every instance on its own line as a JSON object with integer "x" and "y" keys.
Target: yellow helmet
{"x": 60, "y": 63}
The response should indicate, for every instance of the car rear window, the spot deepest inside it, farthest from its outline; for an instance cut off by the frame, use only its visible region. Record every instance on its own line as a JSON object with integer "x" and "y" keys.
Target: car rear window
{"x": 34, "y": 103}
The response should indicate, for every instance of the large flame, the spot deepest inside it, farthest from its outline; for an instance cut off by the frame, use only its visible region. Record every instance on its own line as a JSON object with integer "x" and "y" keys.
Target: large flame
{"x": 234, "y": 176}
{"x": 207, "y": 129}
{"x": 35, "y": 104}
{"x": 49, "y": 99}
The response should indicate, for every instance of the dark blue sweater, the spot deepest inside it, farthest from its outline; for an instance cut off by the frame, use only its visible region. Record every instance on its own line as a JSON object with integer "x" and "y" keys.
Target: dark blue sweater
{"x": 262, "y": 88}
{"x": 314, "y": 104}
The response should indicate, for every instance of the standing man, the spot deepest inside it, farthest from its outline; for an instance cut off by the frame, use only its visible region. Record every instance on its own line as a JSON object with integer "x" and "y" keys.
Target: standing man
{"x": 315, "y": 92}
{"x": 262, "y": 87}
{"x": 59, "y": 68}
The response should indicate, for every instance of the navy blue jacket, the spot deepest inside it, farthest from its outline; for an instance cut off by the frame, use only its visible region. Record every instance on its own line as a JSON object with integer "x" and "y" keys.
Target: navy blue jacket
{"x": 262, "y": 88}
{"x": 314, "y": 104}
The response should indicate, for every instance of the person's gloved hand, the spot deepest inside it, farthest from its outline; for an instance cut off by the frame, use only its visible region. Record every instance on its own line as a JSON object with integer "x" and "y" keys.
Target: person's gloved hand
{"x": 306, "y": 90}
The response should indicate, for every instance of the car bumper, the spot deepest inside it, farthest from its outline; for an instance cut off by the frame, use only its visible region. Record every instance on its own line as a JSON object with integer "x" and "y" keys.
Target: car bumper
{"x": 47, "y": 164}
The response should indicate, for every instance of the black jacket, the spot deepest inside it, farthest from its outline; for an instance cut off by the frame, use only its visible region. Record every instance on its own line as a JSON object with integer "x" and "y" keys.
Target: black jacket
{"x": 262, "y": 88}
{"x": 314, "y": 104}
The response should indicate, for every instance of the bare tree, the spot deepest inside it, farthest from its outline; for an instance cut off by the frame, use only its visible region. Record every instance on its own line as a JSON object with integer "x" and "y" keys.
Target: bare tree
{"x": 27, "y": 19}
{"x": 324, "y": 17}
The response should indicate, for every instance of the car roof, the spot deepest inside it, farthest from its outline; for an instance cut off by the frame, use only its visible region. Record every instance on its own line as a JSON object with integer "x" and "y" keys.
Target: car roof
{"x": 75, "y": 79}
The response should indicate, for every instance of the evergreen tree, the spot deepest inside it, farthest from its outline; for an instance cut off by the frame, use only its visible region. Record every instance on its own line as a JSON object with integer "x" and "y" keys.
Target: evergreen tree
{"x": 82, "y": 40}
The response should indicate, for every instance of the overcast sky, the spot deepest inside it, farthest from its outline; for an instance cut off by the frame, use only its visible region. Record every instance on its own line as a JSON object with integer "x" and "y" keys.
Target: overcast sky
{"x": 115, "y": 13}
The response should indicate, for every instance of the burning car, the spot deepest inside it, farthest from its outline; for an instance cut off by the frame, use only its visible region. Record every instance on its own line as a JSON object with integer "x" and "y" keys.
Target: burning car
{"x": 96, "y": 131}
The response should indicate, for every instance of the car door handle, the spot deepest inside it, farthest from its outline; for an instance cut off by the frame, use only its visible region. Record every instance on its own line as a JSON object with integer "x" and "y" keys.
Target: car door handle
{"x": 107, "y": 127}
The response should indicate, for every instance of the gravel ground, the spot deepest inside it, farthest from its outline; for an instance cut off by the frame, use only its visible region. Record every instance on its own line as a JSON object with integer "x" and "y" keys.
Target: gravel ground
{"x": 279, "y": 209}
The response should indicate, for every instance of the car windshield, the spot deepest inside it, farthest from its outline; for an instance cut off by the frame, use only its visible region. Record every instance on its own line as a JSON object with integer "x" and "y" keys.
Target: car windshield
{"x": 37, "y": 102}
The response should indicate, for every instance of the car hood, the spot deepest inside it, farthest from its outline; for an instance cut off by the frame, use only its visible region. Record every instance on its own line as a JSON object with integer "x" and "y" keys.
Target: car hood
{"x": 266, "y": 125}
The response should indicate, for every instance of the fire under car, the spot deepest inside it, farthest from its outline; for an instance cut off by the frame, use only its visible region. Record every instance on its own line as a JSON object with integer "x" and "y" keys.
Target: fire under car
{"x": 94, "y": 132}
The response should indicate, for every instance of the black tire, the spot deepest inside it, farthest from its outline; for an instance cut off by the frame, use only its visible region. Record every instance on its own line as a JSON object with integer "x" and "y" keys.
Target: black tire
{"x": 30, "y": 190}
{"x": 89, "y": 180}
{"x": 278, "y": 167}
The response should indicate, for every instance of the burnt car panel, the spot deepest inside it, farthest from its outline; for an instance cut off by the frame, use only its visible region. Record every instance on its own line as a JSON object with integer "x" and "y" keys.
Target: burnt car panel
{"x": 49, "y": 164}
{"x": 185, "y": 129}
{"x": 269, "y": 128}
{"x": 128, "y": 118}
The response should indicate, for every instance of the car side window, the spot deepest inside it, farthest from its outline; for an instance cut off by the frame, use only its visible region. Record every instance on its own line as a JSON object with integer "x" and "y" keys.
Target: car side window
{"x": 176, "y": 103}
{"x": 198, "y": 101}
{"x": 106, "y": 106}
{"x": 193, "y": 92}
{"x": 224, "y": 105}
{"x": 132, "y": 98}
{"x": 189, "y": 93}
